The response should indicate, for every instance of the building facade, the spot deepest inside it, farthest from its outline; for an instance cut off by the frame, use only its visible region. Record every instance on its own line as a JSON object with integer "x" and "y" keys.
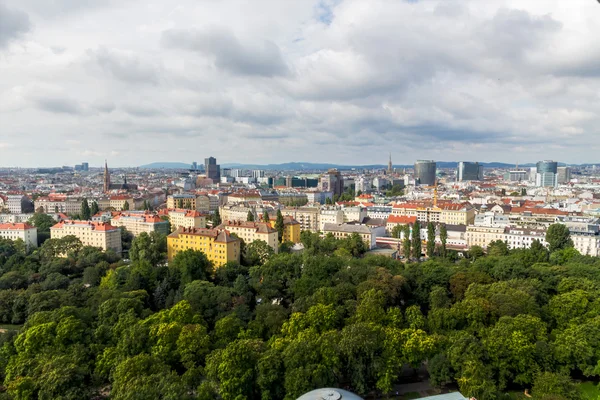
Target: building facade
{"x": 332, "y": 181}
{"x": 213, "y": 170}
{"x": 308, "y": 217}
{"x": 138, "y": 222}
{"x": 469, "y": 171}
{"x": 291, "y": 229}
{"x": 425, "y": 172}
{"x": 546, "y": 174}
{"x": 367, "y": 234}
{"x": 218, "y": 245}
{"x": 13, "y": 231}
{"x": 251, "y": 231}
{"x": 96, "y": 234}
{"x": 186, "y": 219}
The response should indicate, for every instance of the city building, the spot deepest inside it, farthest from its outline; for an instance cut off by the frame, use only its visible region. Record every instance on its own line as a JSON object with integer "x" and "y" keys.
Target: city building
{"x": 138, "y": 222}
{"x": 18, "y": 204}
{"x": 213, "y": 170}
{"x": 13, "y": 231}
{"x": 58, "y": 205}
{"x": 469, "y": 171}
{"x": 332, "y": 181}
{"x": 188, "y": 201}
{"x": 367, "y": 233}
{"x": 492, "y": 219}
{"x": 186, "y": 219}
{"x": 395, "y": 220}
{"x": 444, "y": 213}
{"x": 291, "y": 229}
{"x": 564, "y": 175}
{"x": 516, "y": 176}
{"x": 218, "y": 245}
{"x": 330, "y": 216}
{"x": 482, "y": 236}
{"x": 354, "y": 214}
{"x": 307, "y": 216}
{"x": 425, "y": 172}
{"x": 96, "y": 234}
{"x": 251, "y": 231}
{"x": 546, "y": 174}
{"x": 585, "y": 234}
{"x": 116, "y": 203}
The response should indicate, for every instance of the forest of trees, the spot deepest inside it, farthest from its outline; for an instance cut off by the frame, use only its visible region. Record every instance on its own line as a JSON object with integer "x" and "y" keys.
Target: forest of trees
{"x": 88, "y": 325}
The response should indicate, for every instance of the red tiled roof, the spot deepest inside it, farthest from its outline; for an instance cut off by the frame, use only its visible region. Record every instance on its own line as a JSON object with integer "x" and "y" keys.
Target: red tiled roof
{"x": 98, "y": 226}
{"x": 401, "y": 219}
{"x": 16, "y": 227}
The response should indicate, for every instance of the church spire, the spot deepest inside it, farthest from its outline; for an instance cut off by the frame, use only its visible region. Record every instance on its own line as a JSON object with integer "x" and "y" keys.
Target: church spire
{"x": 106, "y": 177}
{"x": 390, "y": 168}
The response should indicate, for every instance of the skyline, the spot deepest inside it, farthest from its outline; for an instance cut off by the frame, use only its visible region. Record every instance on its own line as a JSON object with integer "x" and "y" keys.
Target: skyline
{"x": 140, "y": 82}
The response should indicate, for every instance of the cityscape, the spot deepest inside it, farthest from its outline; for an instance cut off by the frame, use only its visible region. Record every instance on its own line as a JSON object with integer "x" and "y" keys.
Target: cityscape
{"x": 299, "y": 200}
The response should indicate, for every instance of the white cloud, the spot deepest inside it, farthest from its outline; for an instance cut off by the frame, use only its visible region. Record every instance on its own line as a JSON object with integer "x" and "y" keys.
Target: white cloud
{"x": 341, "y": 81}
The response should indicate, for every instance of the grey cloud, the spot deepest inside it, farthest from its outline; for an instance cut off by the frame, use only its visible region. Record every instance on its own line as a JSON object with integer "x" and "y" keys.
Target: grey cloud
{"x": 141, "y": 110}
{"x": 124, "y": 67}
{"x": 58, "y": 105}
{"x": 105, "y": 107}
{"x": 262, "y": 59}
{"x": 13, "y": 24}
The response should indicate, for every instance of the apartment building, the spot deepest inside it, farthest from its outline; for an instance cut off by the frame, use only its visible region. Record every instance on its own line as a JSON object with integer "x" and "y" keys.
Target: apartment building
{"x": 482, "y": 236}
{"x": 188, "y": 201}
{"x": 367, "y": 233}
{"x": 585, "y": 233}
{"x": 445, "y": 213}
{"x": 56, "y": 205}
{"x": 18, "y": 204}
{"x": 138, "y": 222}
{"x": 116, "y": 203}
{"x": 187, "y": 219}
{"x": 521, "y": 238}
{"x": 13, "y": 231}
{"x": 96, "y": 234}
{"x": 291, "y": 229}
{"x": 251, "y": 231}
{"x": 354, "y": 214}
{"x": 239, "y": 211}
{"x": 330, "y": 216}
{"x": 308, "y": 217}
{"x": 395, "y": 220}
{"x": 218, "y": 245}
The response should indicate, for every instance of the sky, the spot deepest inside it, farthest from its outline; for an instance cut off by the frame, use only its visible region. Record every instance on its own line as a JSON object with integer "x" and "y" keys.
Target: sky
{"x": 271, "y": 81}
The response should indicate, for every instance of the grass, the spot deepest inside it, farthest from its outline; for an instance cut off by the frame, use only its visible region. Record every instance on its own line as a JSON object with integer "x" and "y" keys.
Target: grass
{"x": 8, "y": 327}
{"x": 410, "y": 396}
{"x": 590, "y": 390}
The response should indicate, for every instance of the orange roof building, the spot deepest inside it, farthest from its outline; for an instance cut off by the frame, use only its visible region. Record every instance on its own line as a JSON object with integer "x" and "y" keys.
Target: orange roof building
{"x": 96, "y": 234}
{"x": 219, "y": 245}
{"x": 15, "y": 231}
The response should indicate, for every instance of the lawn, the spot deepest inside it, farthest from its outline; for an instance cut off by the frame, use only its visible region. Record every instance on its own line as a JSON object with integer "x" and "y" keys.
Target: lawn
{"x": 590, "y": 390}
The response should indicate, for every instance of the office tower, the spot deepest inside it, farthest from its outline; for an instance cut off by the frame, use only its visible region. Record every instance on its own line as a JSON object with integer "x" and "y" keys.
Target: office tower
{"x": 564, "y": 175}
{"x": 546, "y": 174}
{"x": 332, "y": 181}
{"x": 258, "y": 173}
{"x": 194, "y": 166}
{"x": 425, "y": 172}
{"x": 469, "y": 171}
{"x": 213, "y": 170}
{"x": 85, "y": 166}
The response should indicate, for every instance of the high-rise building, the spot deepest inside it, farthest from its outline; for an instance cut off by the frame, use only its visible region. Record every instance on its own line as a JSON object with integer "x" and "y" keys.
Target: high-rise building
{"x": 258, "y": 173}
{"x": 213, "y": 170}
{"x": 469, "y": 171}
{"x": 547, "y": 174}
{"x": 106, "y": 177}
{"x": 332, "y": 181}
{"x": 194, "y": 166}
{"x": 564, "y": 175}
{"x": 85, "y": 166}
{"x": 425, "y": 172}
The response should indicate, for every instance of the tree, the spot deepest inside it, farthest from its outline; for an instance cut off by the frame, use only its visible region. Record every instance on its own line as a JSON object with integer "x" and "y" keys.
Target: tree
{"x": 265, "y": 217}
{"x": 552, "y": 386}
{"x": 250, "y": 216}
{"x": 497, "y": 248}
{"x": 406, "y": 243}
{"x": 430, "y": 239}
{"x": 279, "y": 225}
{"x": 328, "y": 201}
{"x": 191, "y": 265}
{"x": 443, "y": 239}
{"x": 416, "y": 240}
{"x": 151, "y": 247}
{"x": 523, "y": 192}
{"x": 85, "y": 210}
{"x": 94, "y": 208}
{"x": 216, "y": 218}
{"x": 125, "y": 206}
{"x": 558, "y": 237}
{"x": 43, "y": 223}
{"x": 257, "y": 252}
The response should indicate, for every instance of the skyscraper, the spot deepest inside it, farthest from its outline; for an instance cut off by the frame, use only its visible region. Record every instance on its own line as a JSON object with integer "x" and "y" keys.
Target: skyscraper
{"x": 106, "y": 177}
{"x": 546, "y": 174}
{"x": 564, "y": 175}
{"x": 213, "y": 170}
{"x": 469, "y": 171}
{"x": 332, "y": 181}
{"x": 425, "y": 172}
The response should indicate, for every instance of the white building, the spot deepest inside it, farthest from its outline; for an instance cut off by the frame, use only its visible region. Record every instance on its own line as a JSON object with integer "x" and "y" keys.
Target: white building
{"x": 17, "y": 203}
{"x": 368, "y": 234}
{"x": 354, "y": 214}
{"x": 330, "y": 216}
{"x": 27, "y": 233}
{"x": 492, "y": 219}
{"x": 95, "y": 234}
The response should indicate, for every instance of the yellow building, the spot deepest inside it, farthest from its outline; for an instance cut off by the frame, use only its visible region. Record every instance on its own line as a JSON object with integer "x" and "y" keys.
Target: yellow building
{"x": 96, "y": 234}
{"x": 291, "y": 229}
{"x": 186, "y": 219}
{"x": 117, "y": 203}
{"x": 251, "y": 231}
{"x": 482, "y": 235}
{"x": 445, "y": 213}
{"x": 189, "y": 202}
{"x": 218, "y": 245}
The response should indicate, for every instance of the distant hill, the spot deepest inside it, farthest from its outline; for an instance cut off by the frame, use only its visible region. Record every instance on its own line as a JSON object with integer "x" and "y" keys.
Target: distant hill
{"x": 306, "y": 166}
{"x": 166, "y": 165}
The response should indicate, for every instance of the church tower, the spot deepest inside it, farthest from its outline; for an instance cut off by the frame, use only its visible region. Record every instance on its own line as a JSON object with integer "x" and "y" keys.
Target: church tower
{"x": 106, "y": 178}
{"x": 390, "y": 168}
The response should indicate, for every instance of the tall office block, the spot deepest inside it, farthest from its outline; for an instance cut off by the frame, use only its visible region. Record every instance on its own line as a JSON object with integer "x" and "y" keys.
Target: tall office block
{"x": 564, "y": 175}
{"x": 469, "y": 171}
{"x": 546, "y": 174}
{"x": 213, "y": 170}
{"x": 425, "y": 172}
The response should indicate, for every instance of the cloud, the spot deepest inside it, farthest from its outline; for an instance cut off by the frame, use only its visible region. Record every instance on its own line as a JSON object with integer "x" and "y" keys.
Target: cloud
{"x": 262, "y": 58}
{"x": 13, "y": 24}
{"x": 124, "y": 67}
{"x": 58, "y": 105}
